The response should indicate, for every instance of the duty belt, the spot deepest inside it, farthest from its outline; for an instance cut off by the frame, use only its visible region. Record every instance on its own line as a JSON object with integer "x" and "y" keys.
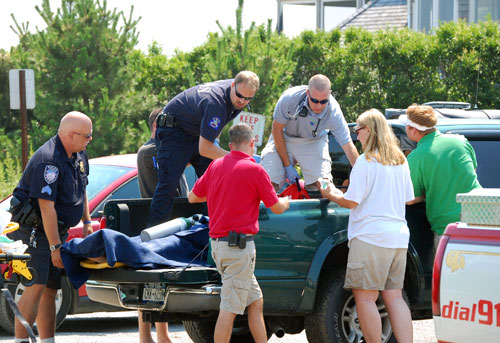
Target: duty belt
{"x": 61, "y": 227}
{"x": 166, "y": 120}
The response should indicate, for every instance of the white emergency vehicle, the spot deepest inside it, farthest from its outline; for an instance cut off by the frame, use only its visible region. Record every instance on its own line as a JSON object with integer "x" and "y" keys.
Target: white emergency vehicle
{"x": 466, "y": 275}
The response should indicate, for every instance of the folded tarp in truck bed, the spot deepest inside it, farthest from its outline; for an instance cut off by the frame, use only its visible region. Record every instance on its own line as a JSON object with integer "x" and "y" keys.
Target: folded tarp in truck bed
{"x": 177, "y": 250}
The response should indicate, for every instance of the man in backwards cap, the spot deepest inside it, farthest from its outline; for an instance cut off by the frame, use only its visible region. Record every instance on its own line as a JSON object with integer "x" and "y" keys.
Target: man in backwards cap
{"x": 441, "y": 166}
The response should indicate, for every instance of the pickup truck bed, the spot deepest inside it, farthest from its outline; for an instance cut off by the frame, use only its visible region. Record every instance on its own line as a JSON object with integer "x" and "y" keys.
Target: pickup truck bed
{"x": 301, "y": 259}
{"x": 300, "y": 265}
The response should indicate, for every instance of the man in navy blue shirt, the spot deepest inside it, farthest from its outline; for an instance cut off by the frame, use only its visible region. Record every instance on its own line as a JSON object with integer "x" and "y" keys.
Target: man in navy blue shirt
{"x": 187, "y": 129}
{"x": 54, "y": 185}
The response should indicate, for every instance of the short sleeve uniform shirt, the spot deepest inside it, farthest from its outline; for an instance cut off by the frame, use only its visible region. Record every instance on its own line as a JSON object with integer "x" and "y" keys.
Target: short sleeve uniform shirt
{"x": 312, "y": 126}
{"x": 50, "y": 174}
{"x": 204, "y": 110}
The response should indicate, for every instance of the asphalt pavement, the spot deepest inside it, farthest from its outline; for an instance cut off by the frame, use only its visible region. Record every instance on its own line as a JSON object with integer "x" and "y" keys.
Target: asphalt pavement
{"x": 121, "y": 327}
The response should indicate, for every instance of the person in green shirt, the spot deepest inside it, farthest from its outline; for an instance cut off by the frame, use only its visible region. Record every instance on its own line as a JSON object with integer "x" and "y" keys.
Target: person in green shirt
{"x": 441, "y": 166}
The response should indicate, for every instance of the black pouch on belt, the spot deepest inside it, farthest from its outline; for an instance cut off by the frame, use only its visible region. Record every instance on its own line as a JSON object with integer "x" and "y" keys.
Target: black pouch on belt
{"x": 165, "y": 120}
{"x": 232, "y": 239}
{"x": 15, "y": 209}
{"x": 24, "y": 213}
{"x": 242, "y": 241}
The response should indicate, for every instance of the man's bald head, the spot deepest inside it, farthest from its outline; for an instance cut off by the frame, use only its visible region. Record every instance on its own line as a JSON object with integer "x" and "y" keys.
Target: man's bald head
{"x": 75, "y": 131}
{"x": 74, "y": 120}
{"x": 320, "y": 83}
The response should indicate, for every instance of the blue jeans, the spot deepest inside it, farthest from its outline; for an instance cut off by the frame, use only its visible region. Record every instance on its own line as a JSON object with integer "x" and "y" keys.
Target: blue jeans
{"x": 175, "y": 149}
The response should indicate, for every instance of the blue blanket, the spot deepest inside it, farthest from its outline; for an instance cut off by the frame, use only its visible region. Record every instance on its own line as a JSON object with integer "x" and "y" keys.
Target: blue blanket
{"x": 177, "y": 250}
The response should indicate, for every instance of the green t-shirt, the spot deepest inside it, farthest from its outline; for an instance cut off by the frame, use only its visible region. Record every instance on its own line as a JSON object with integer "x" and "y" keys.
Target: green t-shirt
{"x": 442, "y": 166}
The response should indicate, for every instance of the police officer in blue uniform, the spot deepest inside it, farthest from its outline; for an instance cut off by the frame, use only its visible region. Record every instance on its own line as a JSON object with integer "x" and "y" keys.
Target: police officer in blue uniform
{"x": 48, "y": 200}
{"x": 187, "y": 129}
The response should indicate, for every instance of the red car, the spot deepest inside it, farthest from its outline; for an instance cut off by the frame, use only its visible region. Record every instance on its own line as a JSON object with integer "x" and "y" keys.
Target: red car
{"x": 111, "y": 177}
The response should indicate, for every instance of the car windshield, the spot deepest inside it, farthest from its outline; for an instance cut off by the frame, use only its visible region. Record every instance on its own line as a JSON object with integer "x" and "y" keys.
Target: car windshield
{"x": 101, "y": 176}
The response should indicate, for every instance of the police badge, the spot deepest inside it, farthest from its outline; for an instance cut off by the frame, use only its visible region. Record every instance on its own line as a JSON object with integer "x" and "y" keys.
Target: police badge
{"x": 50, "y": 174}
{"x": 82, "y": 169}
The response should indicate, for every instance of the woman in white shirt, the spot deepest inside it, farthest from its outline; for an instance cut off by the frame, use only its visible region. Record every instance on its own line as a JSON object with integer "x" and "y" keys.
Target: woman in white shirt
{"x": 380, "y": 186}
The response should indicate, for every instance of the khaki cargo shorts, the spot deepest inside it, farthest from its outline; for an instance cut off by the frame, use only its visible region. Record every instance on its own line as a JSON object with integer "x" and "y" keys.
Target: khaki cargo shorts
{"x": 371, "y": 267}
{"x": 236, "y": 267}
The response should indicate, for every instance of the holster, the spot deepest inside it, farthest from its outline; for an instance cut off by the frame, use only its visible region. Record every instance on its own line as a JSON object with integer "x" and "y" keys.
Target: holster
{"x": 24, "y": 213}
{"x": 165, "y": 120}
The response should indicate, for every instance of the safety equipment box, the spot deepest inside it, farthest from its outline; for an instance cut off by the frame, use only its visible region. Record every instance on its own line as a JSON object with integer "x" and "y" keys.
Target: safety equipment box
{"x": 481, "y": 206}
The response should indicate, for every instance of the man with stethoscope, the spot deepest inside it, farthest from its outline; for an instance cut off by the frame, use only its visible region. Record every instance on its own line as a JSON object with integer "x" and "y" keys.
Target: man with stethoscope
{"x": 301, "y": 121}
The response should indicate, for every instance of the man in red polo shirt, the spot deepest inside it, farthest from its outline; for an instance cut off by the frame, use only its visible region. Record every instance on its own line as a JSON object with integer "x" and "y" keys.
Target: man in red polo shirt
{"x": 233, "y": 187}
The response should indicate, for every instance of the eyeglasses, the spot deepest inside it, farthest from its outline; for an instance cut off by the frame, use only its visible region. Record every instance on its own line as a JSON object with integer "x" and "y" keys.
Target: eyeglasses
{"x": 357, "y": 129}
{"x": 87, "y": 136}
{"x": 316, "y": 101}
{"x": 239, "y": 95}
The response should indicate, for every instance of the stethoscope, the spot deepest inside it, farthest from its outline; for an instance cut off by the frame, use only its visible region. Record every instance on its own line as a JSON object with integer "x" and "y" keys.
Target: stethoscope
{"x": 302, "y": 111}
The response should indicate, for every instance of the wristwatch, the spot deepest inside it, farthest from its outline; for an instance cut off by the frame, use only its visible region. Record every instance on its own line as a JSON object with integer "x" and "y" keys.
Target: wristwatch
{"x": 55, "y": 247}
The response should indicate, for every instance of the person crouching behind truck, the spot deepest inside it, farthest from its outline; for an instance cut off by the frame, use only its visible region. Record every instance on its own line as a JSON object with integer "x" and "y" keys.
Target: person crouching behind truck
{"x": 233, "y": 187}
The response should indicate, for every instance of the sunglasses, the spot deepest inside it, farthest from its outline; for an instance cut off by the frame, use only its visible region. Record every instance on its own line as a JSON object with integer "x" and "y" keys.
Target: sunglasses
{"x": 357, "y": 129}
{"x": 239, "y": 95}
{"x": 316, "y": 101}
{"x": 87, "y": 136}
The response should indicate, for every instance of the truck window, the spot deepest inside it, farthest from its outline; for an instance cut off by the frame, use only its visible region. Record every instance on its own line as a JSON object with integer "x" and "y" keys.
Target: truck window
{"x": 488, "y": 162}
{"x": 340, "y": 164}
{"x": 129, "y": 190}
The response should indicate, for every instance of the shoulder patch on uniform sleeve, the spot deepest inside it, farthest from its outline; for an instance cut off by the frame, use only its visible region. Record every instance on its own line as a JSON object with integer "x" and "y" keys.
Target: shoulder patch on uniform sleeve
{"x": 50, "y": 174}
{"x": 47, "y": 190}
{"x": 215, "y": 122}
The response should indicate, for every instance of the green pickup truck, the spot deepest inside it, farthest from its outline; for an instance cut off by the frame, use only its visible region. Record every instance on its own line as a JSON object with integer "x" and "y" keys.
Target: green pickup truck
{"x": 301, "y": 259}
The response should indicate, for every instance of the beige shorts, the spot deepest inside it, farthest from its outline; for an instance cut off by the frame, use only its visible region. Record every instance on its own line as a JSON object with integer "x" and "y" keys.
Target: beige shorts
{"x": 236, "y": 267}
{"x": 372, "y": 267}
{"x": 312, "y": 155}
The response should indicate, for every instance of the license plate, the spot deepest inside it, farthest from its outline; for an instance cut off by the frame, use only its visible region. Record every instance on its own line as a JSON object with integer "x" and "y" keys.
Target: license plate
{"x": 154, "y": 292}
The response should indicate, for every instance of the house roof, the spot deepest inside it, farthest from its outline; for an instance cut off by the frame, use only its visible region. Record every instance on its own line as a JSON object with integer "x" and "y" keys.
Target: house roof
{"x": 379, "y": 15}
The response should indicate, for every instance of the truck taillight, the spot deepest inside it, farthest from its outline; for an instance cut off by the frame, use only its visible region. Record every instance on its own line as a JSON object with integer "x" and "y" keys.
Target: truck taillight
{"x": 436, "y": 275}
{"x": 103, "y": 222}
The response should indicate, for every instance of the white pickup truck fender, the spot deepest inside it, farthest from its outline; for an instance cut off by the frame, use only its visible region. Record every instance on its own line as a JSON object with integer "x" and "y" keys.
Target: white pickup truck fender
{"x": 466, "y": 279}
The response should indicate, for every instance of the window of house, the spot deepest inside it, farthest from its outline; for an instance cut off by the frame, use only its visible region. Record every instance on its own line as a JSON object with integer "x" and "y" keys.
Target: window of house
{"x": 463, "y": 10}
{"x": 445, "y": 10}
{"x": 425, "y": 15}
{"x": 485, "y": 8}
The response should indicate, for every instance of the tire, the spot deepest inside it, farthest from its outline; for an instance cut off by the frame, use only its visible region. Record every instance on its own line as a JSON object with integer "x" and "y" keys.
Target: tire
{"x": 335, "y": 319}
{"x": 63, "y": 302}
{"x": 203, "y": 331}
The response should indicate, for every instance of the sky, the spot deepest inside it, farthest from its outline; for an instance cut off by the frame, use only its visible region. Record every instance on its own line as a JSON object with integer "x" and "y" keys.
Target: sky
{"x": 177, "y": 24}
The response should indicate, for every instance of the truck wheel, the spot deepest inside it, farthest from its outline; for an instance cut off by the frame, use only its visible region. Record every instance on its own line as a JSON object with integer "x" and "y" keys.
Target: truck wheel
{"x": 335, "y": 319}
{"x": 63, "y": 302}
{"x": 203, "y": 331}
